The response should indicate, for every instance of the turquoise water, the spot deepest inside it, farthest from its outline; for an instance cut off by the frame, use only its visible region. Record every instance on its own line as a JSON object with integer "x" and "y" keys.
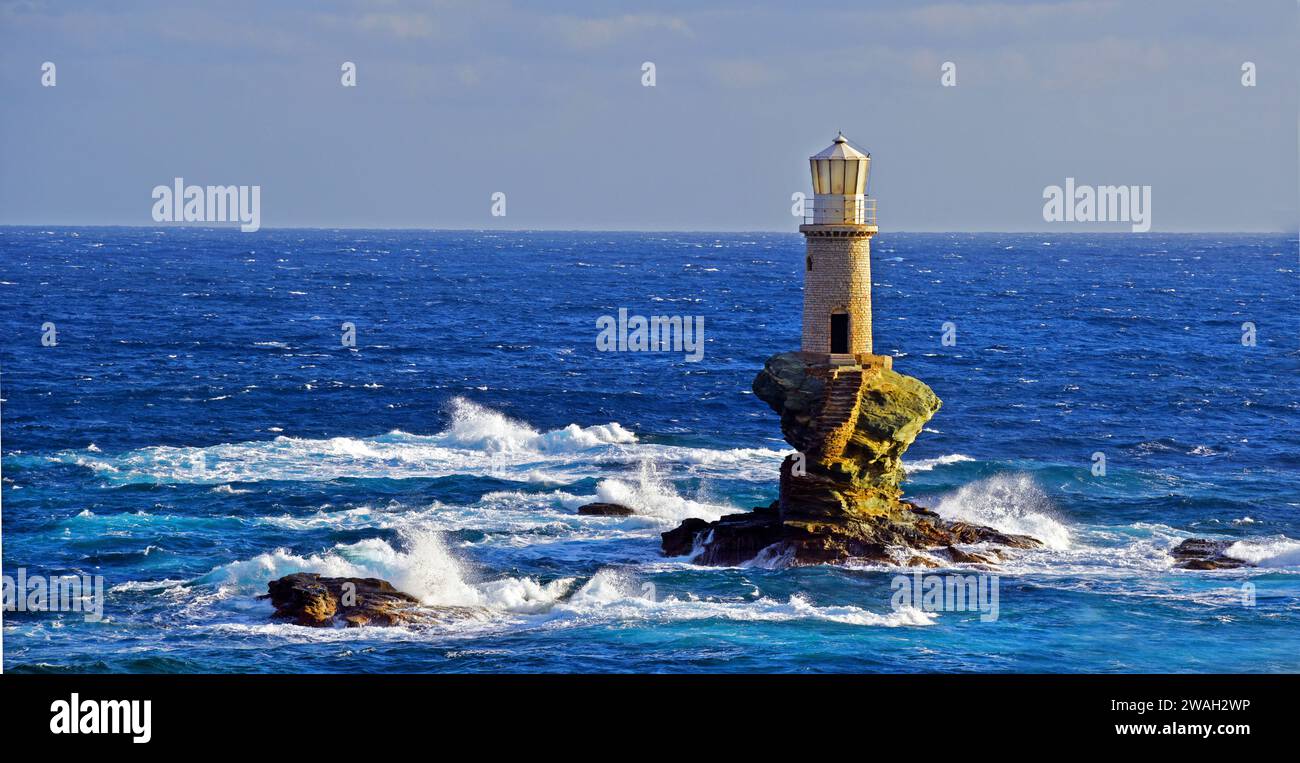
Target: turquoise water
{"x": 200, "y": 429}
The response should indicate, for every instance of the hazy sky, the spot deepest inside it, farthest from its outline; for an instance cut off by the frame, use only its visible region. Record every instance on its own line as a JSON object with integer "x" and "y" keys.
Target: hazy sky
{"x": 457, "y": 100}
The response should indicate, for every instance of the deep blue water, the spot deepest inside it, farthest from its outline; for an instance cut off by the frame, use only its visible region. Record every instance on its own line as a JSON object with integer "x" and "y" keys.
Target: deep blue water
{"x": 200, "y": 429}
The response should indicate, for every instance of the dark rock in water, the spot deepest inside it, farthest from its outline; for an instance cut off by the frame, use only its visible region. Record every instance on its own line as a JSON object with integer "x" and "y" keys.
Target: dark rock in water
{"x": 605, "y": 510}
{"x": 735, "y": 538}
{"x": 840, "y": 495}
{"x": 1205, "y": 554}
{"x": 738, "y": 538}
{"x": 680, "y": 541}
{"x": 309, "y": 599}
{"x": 968, "y": 557}
{"x": 967, "y": 533}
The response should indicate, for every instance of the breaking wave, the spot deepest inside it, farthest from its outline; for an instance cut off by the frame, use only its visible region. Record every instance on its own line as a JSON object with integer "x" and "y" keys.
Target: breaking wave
{"x": 927, "y": 464}
{"x": 475, "y": 427}
{"x": 425, "y": 568}
{"x": 1279, "y": 551}
{"x": 1010, "y": 503}
{"x": 652, "y": 497}
{"x": 478, "y": 441}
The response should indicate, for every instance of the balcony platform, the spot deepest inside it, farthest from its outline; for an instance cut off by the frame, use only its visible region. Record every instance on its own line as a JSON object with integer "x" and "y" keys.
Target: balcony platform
{"x": 839, "y": 230}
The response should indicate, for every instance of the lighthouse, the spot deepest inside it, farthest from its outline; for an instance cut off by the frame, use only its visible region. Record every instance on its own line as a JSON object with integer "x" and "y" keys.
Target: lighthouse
{"x": 837, "y": 270}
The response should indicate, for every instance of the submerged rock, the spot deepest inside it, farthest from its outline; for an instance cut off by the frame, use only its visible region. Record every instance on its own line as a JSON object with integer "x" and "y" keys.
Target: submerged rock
{"x": 1205, "y": 554}
{"x": 309, "y": 599}
{"x": 840, "y": 495}
{"x": 599, "y": 509}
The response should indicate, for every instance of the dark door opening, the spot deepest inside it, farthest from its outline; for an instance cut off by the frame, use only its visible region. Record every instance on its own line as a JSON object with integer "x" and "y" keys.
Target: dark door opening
{"x": 840, "y": 333}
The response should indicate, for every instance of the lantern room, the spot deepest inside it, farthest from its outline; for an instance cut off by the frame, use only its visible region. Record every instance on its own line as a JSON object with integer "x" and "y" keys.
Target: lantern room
{"x": 839, "y": 176}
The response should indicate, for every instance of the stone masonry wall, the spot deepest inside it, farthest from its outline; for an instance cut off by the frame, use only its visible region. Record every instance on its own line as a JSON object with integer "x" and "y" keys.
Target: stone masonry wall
{"x": 840, "y": 280}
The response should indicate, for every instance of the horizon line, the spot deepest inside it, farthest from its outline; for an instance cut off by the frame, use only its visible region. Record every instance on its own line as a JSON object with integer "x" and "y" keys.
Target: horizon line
{"x": 235, "y": 229}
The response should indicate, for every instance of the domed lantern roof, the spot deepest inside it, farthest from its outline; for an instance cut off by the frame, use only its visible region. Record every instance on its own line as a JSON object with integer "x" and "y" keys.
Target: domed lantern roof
{"x": 840, "y": 170}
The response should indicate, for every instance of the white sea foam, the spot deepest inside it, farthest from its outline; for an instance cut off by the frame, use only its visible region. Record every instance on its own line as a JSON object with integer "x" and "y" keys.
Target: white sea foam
{"x": 478, "y": 442}
{"x": 1276, "y": 551}
{"x": 146, "y": 585}
{"x": 425, "y": 568}
{"x": 926, "y": 464}
{"x": 612, "y": 594}
{"x": 540, "y": 521}
{"x": 519, "y": 516}
{"x": 230, "y": 490}
{"x": 478, "y": 428}
{"x": 652, "y": 498}
{"x": 1011, "y": 503}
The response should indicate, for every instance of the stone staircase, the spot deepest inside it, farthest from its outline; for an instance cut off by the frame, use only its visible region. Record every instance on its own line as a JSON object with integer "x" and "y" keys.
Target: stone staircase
{"x": 839, "y": 413}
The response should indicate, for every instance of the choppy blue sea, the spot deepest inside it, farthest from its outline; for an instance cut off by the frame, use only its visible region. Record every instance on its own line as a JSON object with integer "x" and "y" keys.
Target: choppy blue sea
{"x": 200, "y": 429}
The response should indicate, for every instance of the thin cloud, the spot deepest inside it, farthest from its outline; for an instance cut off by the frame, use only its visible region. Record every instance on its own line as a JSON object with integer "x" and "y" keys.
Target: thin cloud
{"x": 590, "y": 33}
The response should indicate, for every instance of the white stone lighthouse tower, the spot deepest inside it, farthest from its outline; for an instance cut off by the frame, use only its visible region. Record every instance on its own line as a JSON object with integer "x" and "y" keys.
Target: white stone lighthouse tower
{"x": 837, "y": 272}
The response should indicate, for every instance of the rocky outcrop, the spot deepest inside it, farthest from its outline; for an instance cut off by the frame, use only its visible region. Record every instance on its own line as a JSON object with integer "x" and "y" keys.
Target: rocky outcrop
{"x": 840, "y": 495}
{"x": 1205, "y": 554}
{"x": 309, "y": 599}
{"x": 599, "y": 509}
{"x": 681, "y": 540}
